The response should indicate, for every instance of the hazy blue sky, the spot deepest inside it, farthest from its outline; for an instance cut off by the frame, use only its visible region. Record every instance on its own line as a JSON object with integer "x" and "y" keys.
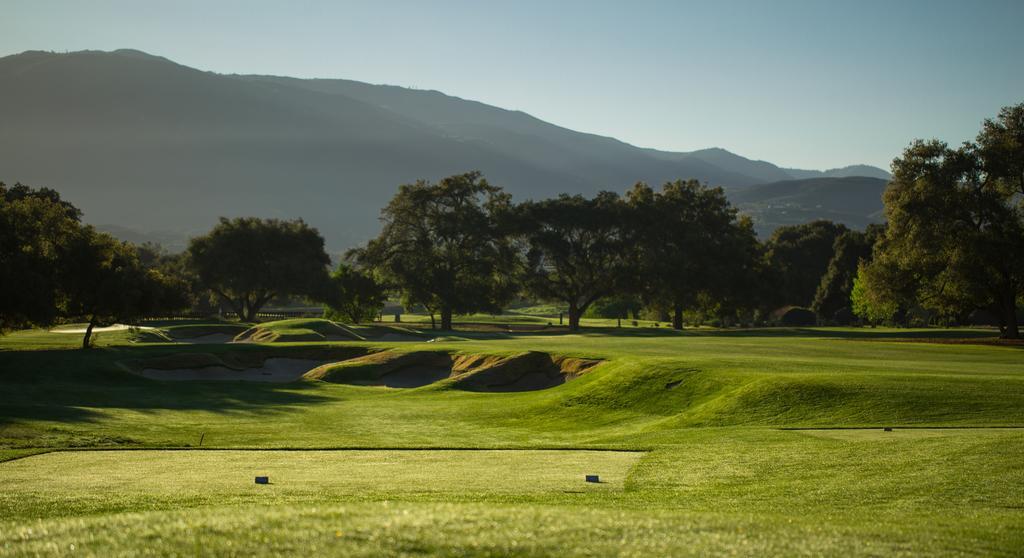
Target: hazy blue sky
{"x": 812, "y": 84}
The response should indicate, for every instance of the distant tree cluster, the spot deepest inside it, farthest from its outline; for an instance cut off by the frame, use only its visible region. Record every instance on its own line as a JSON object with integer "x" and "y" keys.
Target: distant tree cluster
{"x": 461, "y": 246}
{"x": 55, "y": 269}
{"x": 52, "y": 267}
{"x": 680, "y": 253}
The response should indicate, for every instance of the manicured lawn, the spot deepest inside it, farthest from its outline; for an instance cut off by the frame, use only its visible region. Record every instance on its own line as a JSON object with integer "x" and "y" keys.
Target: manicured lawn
{"x": 721, "y": 471}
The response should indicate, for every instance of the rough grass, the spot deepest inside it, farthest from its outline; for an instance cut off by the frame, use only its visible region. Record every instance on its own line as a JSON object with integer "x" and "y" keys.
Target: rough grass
{"x": 723, "y": 474}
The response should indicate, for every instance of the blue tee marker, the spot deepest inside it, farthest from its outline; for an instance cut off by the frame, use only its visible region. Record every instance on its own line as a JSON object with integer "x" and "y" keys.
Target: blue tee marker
{"x": 262, "y": 480}
{"x": 593, "y": 478}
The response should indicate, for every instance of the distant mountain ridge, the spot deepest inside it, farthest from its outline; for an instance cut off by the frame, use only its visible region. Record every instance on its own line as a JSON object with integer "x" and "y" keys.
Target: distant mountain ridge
{"x": 843, "y": 172}
{"x": 855, "y": 201}
{"x": 151, "y": 145}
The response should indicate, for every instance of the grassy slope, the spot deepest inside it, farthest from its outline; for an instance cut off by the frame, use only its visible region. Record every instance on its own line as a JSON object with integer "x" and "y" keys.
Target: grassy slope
{"x": 738, "y": 484}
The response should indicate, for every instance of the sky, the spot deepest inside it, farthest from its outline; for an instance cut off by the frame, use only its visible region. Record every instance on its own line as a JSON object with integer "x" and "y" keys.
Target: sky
{"x": 807, "y": 84}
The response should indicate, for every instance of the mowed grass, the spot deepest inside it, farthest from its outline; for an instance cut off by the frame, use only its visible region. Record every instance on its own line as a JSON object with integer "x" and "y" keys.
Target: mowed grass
{"x": 721, "y": 472}
{"x": 715, "y": 492}
{"x": 81, "y": 482}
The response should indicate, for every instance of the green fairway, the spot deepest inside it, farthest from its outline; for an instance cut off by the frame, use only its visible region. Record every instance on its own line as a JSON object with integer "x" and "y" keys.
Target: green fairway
{"x": 744, "y": 442}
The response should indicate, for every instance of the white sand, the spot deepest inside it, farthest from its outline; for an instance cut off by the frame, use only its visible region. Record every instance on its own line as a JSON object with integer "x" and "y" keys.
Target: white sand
{"x": 210, "y": 339}
{"x": 273, "y": 370}
{"x": 81, "y": 329}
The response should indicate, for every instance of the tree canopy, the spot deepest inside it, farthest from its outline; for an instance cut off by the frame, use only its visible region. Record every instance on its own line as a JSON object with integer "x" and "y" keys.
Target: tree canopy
{"x": 797, "y": 257}
{"x": 832, "y": 299}
{"x": 34, "y": 225}
{"x": 104, "y": 282}
{"x": 442, "y": 245}
{"x": 577, "y": 249}
{"x": 692, "y": 248}
{"x": 353, "y": 295}
{"x": 956, "y": 223}
{"x": 248, "y": 261}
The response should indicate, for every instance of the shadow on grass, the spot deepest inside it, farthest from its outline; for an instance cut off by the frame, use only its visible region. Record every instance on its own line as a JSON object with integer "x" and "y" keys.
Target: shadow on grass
{"x": 494, "y": 332}
{"x": 775, "y": 332}
{"x": 75, "y": 385}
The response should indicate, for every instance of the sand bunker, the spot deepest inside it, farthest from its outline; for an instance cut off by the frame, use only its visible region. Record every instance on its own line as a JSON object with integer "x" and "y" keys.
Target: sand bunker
{"x": 273, "y": 370}
{"x": 245, "y": 364}
{"x": 114, "y": 327}
{"x": 523, "y": 372}
{"x": 211, "y": 338}
{"x": 526, "y": 372}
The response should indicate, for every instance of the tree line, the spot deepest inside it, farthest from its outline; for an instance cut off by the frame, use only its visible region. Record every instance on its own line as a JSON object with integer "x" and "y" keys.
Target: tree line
{"x": 953, "y": 243}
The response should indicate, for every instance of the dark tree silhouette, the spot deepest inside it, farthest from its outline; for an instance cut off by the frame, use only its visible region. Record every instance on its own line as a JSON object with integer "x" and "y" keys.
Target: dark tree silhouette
{"x": 443, "y": 246}
{"x": 577, "y": 249}
{"x": 249, "y": 261}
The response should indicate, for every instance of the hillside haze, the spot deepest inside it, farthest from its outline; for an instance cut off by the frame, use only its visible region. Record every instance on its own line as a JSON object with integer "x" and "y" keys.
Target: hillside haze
{"x": 161, "y": 149}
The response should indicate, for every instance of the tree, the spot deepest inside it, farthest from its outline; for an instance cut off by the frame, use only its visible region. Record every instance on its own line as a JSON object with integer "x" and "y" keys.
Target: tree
{"x": 832, "y": 299}
{"x": 103, "y": 281}
{"x": 353, "y": 295}
{"x": 443, "y": 245}
{"x": 870, "y": 297}
{"x": 34, "y": 224}
{"x": 956, "y": 221}
{"x": 797, "y": 257}
{"x": 248, "y": 261}
{"x": 692, "y": 247}
{"x": 577, "y": 249}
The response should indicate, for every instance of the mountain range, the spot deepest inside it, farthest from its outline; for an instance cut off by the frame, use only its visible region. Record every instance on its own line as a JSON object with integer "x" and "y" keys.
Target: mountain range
{"x": 153, "y": 149}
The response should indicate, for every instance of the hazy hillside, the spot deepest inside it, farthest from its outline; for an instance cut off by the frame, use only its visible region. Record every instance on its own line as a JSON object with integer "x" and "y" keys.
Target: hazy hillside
{"x": 852, "y": 170}
{"x": 854, "y": 201}
{"x": 149, "y": 145}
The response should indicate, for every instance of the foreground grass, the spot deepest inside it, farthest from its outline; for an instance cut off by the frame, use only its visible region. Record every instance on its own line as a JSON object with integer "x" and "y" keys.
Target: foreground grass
{"x": 721, "y": 472}
{"x": 719, "y": 492}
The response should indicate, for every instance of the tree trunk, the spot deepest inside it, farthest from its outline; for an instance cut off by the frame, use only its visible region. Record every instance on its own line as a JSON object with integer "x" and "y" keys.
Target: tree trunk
{"x": 574, "y": 317}
{"x": 433, "y": 322}
{"x": 677, "y": 316}
{"x": 88, "y": 332}
{"x": 1011, "y": 330}
{"x": 446, "y": 318}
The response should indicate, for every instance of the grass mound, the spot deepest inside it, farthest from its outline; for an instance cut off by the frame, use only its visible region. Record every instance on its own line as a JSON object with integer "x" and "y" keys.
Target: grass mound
{"x": 299, "y": 329}
{"x": 379, "y": 332}
{"x": 387, "y": 368}
{"x": 528, "y": 371}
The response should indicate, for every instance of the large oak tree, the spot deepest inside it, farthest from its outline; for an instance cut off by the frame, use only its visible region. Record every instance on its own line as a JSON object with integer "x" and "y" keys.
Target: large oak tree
{"x": 34, "y": 225}
{"x": 578, "y": 249}
{"x": 691, "y": 246}
{"x": 103, "y": 281}
{"x": 248, "y": 261}
{"x": 956, "y": 222}
{"x": 444, "y": 247}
